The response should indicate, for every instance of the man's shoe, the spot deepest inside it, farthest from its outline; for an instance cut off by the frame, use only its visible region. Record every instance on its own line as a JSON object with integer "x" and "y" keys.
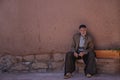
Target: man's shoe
{"x": 89, "y": 75}
{"x": 68, "y": 75}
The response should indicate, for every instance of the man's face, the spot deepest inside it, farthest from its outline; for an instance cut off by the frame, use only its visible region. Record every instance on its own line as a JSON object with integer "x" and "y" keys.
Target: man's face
{"x": 83, "y": 31}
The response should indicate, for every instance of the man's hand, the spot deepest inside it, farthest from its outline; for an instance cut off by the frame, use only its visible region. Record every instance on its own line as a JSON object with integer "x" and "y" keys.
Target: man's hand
{"x": 76, "y": 54}
{"x": 81, "y": 54}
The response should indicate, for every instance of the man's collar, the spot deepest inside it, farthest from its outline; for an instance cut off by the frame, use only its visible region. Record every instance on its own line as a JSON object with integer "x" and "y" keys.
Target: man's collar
{"x": 85, "y": 35}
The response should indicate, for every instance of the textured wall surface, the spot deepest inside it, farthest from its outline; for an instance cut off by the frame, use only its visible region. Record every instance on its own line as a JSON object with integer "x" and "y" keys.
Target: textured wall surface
{"x": 35, "y": 26}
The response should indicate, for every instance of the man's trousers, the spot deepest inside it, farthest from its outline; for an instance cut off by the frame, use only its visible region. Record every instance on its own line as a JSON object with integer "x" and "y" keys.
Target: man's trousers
{"x": 89, "y": 60}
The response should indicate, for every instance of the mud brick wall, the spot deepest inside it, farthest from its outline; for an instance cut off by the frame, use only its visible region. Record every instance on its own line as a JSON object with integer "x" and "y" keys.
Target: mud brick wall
{"x": 35, "y": 26}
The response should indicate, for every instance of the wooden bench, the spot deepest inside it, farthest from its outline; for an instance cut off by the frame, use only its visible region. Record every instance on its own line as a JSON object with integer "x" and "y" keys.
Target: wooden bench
{"x": 108, "y": 61}
{"x": 109, "y": 54}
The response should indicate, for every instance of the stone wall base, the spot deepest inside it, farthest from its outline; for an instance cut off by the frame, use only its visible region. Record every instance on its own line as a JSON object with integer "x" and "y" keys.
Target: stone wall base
{"x": 51, "y": 63}
{"x": 32, "y": 63}
{"x": 109, "y": 66}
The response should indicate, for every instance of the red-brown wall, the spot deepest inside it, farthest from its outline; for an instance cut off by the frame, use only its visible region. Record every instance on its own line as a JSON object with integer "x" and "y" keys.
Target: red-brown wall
{"x": 34, "y": 26}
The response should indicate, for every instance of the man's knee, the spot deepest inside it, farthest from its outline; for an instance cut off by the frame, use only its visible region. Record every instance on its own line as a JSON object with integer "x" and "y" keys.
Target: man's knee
{"x": 91, "y": 54}
{"x": 69, "y": 54}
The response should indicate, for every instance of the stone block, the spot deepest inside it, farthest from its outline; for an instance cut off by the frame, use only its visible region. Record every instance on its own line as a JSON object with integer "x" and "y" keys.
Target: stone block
{"x": 18, "y": 58}
{"x": 108, "y": 66}
{"x": 80, "y": 61}
{"x": 58, "y": 57}
{"x": 80, "y": 66}
{"x": 26, "y": 63}
{"x": 57, "y": 65}
{"x": 42, "y": 70}
{"x": 6, "y": 62}
{"x": 19, "y": 67}
{"x": 43, "y": 57}
{"x": 28, "y": 58}
{"x": 39, "y": 65}
{"x": 106, "y": 60}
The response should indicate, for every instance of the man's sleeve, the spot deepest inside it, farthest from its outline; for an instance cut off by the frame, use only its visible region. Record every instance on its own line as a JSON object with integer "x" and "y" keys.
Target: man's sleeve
{"x": 90, "y": 46}
{"x": 73, "y": 45}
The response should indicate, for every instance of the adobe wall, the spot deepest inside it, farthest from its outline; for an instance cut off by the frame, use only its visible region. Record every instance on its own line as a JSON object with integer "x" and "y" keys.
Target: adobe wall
{"x": 38, "y": 26}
